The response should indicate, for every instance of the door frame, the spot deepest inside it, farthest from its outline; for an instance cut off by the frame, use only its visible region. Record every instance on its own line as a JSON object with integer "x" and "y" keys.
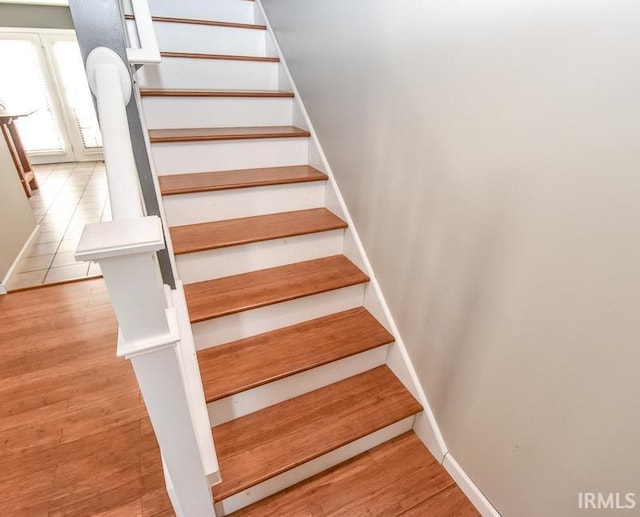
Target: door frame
{"x": 74, "y": 150}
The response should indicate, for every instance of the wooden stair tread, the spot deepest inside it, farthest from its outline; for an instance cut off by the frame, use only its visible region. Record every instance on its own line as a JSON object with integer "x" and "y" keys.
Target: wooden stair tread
{"x": 247, "y": 363}
{"x": 198, "y": 134}
{"x": 228, "y": 57}
{"x": 164, "y": 92}
{"x": 233, "y": 232}
{"x": 398, "y": 477}
{"x": 193, "y": 21}
{"x": 256, "y": 447}
{"x": 236, "y": 293}
{"x": 212, "y": 181}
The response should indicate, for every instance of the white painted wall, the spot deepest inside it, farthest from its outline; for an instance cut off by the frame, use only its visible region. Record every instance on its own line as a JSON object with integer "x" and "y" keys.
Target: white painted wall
{"x": 16, "y": 218}
{"x": 489, "y": 154}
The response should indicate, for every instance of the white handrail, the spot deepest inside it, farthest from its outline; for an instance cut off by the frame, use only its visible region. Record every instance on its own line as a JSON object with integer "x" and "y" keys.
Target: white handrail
{"x": 110, "y": 82}
{"x": 148, "y": 53}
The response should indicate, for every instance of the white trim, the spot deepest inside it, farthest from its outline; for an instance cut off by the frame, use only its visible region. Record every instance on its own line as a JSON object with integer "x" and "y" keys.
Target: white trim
{"x": 37, "y": 30}
{"x": 23, "y": 250}
{"x": 194, "y": 386}
{"x": 470, "y": 489}
{"x": 437, "y": 445}
{"x": 148, "y": 53}
{"x": 56, "y": 3}
{"x": 121, "y": 237}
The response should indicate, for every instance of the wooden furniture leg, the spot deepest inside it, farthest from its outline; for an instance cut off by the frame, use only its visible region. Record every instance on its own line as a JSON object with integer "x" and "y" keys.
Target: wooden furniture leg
{"x": 19, "y": 156}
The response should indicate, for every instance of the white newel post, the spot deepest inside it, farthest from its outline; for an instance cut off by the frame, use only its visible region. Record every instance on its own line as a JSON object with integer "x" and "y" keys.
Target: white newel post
{"x": 149, "y": 333}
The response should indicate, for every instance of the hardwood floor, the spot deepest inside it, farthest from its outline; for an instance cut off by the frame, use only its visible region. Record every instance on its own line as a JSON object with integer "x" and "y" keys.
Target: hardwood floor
{"x": 74, "y": 433}
{"x": 397, "y": 478}
{"x": 201, "y": 134}
{"x": 261, "y": 445}
{"x": 212, "y": 181}
{"x": 245, "y": 230}
{"x": 241, "y": 365}
{"x": 237, "y": 293}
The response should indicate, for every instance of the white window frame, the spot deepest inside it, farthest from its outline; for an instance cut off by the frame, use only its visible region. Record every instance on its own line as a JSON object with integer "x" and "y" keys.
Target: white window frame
{"x": 71, "y": 140}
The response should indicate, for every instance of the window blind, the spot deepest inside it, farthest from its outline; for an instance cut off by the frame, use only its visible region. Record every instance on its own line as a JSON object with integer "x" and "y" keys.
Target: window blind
{"x": 23, "y": 87}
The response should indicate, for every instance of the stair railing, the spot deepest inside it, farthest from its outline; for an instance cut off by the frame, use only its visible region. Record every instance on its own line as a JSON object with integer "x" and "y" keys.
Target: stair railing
{"x": 154, "y": 331}
{"x": 148, "y": 52}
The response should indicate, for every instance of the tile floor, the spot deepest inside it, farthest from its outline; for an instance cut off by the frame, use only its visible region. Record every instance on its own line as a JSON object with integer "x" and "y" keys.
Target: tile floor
{"x": 70, "y": 196}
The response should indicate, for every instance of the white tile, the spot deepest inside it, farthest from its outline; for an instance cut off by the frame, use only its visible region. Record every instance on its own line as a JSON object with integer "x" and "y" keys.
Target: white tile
{"x": 64, "y": 258}
{"x": 59, "y": 274}
{"x": 49, "y": 236}
{"x": 68, "y": 245}
{"x": 34, "y": 263}
{"x": 30, "y": 279}
{"x": 73, "y": 233}
{"x": 42, "y": 248}
{"x": 94, "y": 269}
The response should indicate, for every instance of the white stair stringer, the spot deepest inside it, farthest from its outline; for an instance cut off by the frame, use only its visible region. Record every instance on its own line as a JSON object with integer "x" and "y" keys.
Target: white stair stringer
{"x": 313, "y": 467}
{"x": 183, "y": 112}
{"x": 179, "y": 157}
{"x": 189, "y": 363}
{"x": 234, "y": 260}
{"x": 204, "y": 39}
{"x": 238, "y": 11}
{"x": 218, "y": 331}
{"x": 211, "y": 74}
{"x": 246, "y": 202}
{"x": 250, "y": 401}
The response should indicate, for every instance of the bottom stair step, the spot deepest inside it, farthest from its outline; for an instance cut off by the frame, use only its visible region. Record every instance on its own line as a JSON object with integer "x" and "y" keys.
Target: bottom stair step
{"x": 399, "y": 477}
{"x": 234, "y": 367}
{"x": 259, "y": 446}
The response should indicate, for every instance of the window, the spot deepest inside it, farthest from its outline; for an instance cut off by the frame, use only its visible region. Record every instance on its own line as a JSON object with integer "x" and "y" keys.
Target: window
{"x": 43, "y": 70}
{"x": 23, "y": 87}
{"x": 73, "y": 83}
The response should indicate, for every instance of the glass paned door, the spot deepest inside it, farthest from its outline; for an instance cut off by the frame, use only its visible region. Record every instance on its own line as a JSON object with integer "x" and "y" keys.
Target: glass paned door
{"x": 49, "y": 75}
{"x": 25, "y": 86}
{"x": 81, "y": 117}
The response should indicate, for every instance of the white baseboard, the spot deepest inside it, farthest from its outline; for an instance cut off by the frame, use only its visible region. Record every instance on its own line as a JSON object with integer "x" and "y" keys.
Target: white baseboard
{"x": 23, "y": 250}
{"x": 477, "y": 498}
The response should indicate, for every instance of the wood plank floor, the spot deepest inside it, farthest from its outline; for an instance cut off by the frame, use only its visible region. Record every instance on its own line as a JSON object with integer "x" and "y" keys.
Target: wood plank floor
{"x": 397, "y": 478}
{"x": 211, "y": 181}
{"x": 236, "y": 293}
{"x": 266, "y": 443}
{"x": 74, "y": 433}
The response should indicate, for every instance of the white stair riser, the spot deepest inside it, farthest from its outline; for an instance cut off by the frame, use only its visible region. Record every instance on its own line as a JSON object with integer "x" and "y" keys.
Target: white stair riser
{"x": 225, "y": 329}
{"x": 253, "y": 400}
{"x": 239, "y": 11}
{"x": 234, "y": 260}
{"x": 204, "y": 39}
{"x": 311, "y": 468}
{"x": 181, "y": 112}
{"x": 220, "y": 74}
{"x": 244, "y": 202}
{"x": 181, "y": 157}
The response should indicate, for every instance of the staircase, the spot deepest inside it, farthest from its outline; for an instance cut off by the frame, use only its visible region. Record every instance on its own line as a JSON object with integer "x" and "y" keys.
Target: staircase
{"x": 308, "y": 416}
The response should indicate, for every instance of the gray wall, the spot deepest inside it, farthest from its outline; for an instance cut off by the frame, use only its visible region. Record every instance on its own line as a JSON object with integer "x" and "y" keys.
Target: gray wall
{"x": 489, "y": 154}
{"x": 35, "y": 16}
{"x": 16, "y": 217}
